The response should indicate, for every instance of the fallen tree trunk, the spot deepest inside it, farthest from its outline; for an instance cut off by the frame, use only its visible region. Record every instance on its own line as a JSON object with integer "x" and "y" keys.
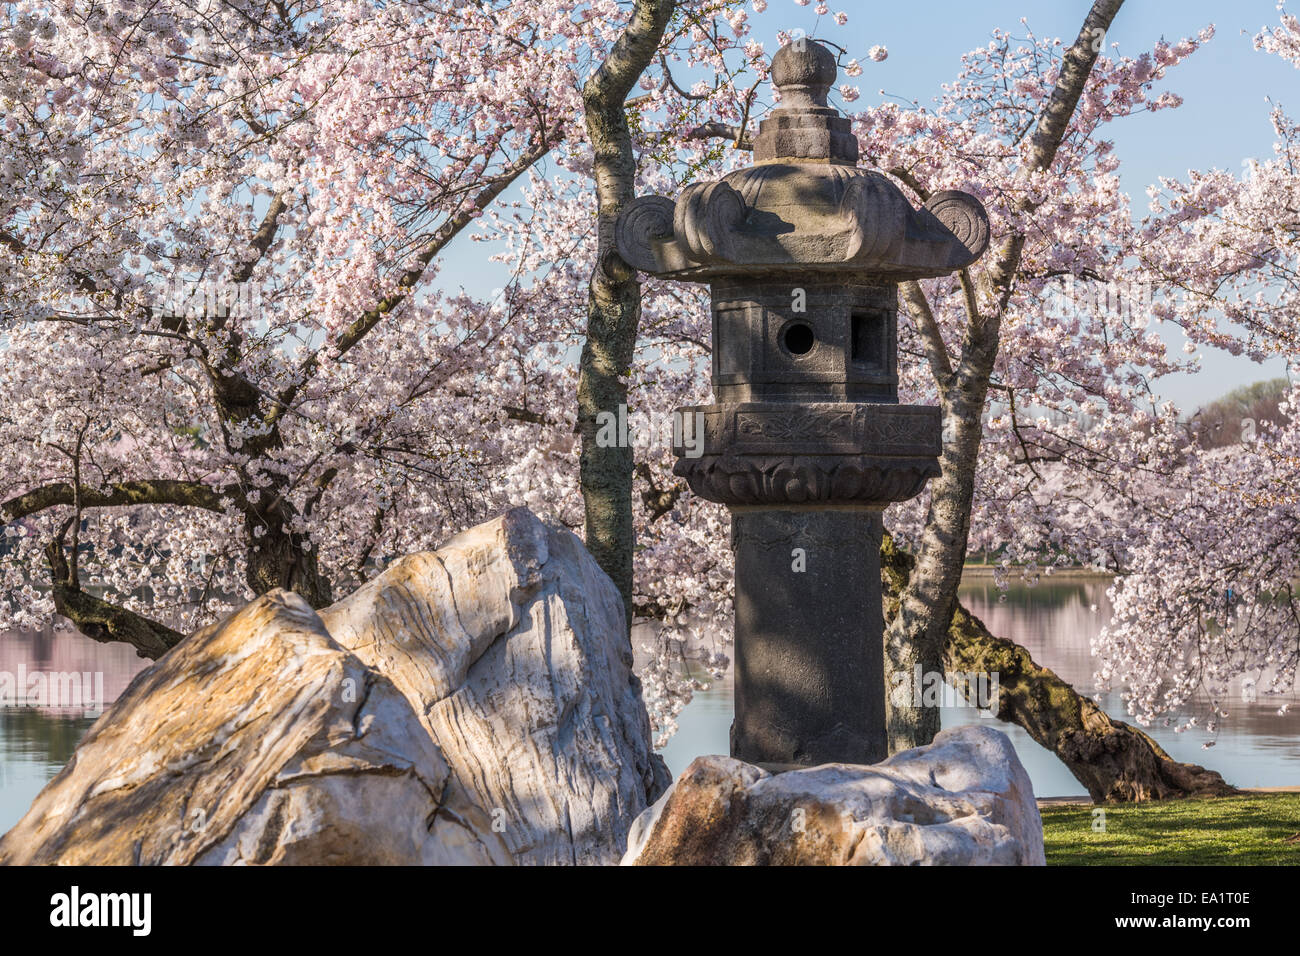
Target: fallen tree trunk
{"x": 1117, "y": 763}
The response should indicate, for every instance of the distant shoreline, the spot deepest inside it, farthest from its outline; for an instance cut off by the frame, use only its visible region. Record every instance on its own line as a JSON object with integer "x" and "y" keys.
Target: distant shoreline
{"x": 987, "y": 570}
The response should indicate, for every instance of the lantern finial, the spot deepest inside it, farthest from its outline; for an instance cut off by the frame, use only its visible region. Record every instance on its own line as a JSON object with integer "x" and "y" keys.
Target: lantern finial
{"x": 803, "y": 71}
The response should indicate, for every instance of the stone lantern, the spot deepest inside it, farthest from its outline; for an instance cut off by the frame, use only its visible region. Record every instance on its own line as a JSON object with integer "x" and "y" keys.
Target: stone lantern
{"x": 806, "y": 443}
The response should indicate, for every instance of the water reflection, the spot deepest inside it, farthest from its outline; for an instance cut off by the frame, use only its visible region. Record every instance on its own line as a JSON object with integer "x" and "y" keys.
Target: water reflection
{"x": 1056, "y": 621}
{"x": 35, "y": 743}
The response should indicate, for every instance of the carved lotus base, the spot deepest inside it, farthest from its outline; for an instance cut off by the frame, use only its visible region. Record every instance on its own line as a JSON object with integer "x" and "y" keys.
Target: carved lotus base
{"x": 827, "y": 453}
{"x": 828, "y": 480}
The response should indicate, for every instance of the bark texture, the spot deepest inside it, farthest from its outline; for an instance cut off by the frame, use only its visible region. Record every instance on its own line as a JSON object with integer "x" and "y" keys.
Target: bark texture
{"x": 918, "y": 631}
{"x": 614, "y": 298}
{"x": 1115, "y": 762}
{"x": 100, "y": 620}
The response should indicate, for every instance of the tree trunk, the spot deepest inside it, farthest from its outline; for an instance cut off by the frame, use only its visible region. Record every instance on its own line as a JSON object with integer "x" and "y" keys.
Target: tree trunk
{"x": 279, "y": 559}
{"x": 275, "y": 556}
{"x": 1114, "y": 762}
{"x": 98, "y": 619}
{"x": 925, "y": 607}
{"x": 614, "y": 299}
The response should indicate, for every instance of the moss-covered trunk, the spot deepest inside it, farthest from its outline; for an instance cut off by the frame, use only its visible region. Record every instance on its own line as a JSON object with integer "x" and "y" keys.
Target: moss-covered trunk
{"x": 614, "y": 300}
{"x": 1114, "y": 761}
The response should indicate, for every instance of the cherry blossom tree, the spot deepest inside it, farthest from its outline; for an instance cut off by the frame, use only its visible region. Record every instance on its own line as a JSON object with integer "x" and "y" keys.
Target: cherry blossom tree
{"x": 1068, "y": 411}
{"x": 1082, "y": 466}
{"x": 1207, "y": 542}
{"x": 228, "y": 368}
{"x": 232, "y": 362}
{"x": 1199, "y": 528}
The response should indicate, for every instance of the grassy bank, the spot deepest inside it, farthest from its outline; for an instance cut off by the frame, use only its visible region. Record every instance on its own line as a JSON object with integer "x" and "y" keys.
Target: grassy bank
{"x": 1259, "y": 829}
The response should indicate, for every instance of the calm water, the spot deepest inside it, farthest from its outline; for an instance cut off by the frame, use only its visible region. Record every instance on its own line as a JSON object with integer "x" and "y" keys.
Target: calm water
{"x": 36, "y": 743}
{"x": 1254, "y": 748}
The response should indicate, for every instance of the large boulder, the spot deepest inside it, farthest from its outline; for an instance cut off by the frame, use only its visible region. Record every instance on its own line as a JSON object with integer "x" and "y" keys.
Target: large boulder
{"x": 257, "y": 740}
{"x": 963, "y": 800}
{"x": 475, "y": 704}
{"x": 509, "y": 643}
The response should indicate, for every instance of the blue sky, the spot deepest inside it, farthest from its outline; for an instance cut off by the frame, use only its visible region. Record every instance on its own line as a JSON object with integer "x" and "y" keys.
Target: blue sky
{"x": 1223, "y": 120}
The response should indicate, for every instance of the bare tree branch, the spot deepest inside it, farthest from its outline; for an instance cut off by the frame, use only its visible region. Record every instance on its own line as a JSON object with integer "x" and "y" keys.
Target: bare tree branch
{"x": 716, "y": 130}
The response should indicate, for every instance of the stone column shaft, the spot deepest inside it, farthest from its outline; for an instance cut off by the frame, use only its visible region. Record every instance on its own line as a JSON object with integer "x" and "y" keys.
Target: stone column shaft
{"x": 809, "y": 651}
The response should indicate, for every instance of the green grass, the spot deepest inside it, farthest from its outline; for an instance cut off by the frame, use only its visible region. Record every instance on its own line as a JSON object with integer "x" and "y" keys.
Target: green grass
{"x": 1259, "y": 829}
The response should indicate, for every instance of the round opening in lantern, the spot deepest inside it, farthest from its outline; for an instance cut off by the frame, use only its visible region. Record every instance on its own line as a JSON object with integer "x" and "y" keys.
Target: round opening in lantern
{"x": 799, "y": 339}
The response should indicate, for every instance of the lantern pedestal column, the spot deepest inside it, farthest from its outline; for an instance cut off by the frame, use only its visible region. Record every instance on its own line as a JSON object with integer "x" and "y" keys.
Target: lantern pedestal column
{"x": 809, "y": 653}
{"x": 806, "y": 442}
{"x": 806, "y": 484}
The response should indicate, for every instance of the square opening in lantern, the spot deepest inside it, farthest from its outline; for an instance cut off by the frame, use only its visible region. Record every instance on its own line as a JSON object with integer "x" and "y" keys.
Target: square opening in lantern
{"x": 869, "y": 338}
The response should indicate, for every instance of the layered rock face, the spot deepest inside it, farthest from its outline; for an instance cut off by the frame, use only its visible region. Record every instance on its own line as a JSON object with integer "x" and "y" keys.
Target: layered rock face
{"x": 258, "y": 740}
{"x": 963, "y": 800}
{"x": 508, "y": 643}
{"x": 473, "y": 705}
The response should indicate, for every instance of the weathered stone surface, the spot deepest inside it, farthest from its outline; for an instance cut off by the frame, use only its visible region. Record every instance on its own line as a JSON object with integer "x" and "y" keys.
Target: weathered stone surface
{"x": 806, "y": 702}
{"x": 257, "y": 740}
{"x": 475, "y": 704}
{"x": 963, "y": 800}
{"x": 508, "y": 642}
{"x": 804, "y": 205}
{"x": 803, "y": 252}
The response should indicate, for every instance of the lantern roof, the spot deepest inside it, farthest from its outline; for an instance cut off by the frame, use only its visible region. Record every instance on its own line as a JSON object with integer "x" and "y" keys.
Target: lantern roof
{"x": 805, "y": 205}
